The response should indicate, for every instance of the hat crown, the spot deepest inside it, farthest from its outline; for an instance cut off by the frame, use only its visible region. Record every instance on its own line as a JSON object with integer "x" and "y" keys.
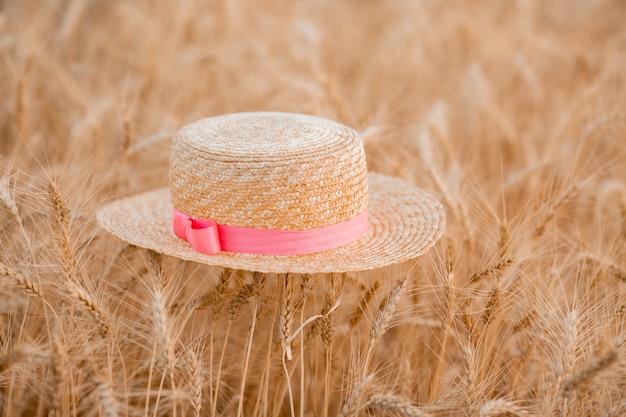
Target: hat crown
{"x": 269, "y": 170}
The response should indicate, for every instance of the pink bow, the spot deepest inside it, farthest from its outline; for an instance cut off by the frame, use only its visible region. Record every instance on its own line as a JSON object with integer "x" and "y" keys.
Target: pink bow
{"x": 201, "y": 234}
{"x": 210, "y": 237}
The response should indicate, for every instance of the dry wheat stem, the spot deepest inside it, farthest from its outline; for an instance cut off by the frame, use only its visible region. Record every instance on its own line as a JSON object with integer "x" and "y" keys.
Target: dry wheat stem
{"x": 218, "y": 377}
{"x": 246, "y": 359}
{"x": 312, "y": 319}
{"x": 332, "y": 296}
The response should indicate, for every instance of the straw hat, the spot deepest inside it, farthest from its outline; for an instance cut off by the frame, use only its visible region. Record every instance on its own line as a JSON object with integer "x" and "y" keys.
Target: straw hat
{"x": 277, "y": 192}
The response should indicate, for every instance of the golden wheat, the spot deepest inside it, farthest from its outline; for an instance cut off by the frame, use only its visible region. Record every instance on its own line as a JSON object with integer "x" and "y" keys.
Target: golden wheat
{"x": 510, "y": 113}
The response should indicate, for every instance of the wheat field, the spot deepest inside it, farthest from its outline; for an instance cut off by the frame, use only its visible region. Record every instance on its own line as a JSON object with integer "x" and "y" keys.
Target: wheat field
{"x": 513, "y": 114}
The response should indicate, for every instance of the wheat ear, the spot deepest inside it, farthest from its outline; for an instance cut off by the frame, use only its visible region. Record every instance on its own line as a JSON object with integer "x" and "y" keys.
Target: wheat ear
{"x": 590, "y": 370}
{"x": 246, "y": 291}
{"x": 357, "y": 397}
{"x": 61, "y": 216}
{"x": 500, "y": 407}
{"x": 469, "y": 378}
{"x": 395, "y": 403}
{"x": 359, "y": 310}
{"x": 491, "y": 305}
{"x": 28, "y": 286}
{"x": 570, "y": 192}
{"x": 109, "y": 404}
{"x": 58, "y": 376}
{"x": 383, "y": 319}
{"x": 22, "y": 354}
{"x": 194, "y": 366}
{"x": 498, "y": 266}
{"x": 95, "y": 310}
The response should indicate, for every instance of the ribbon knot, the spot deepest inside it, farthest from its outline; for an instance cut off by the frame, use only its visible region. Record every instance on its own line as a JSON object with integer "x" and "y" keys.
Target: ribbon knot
{"x": 202, "y": 234}
{"x": 209, "y": 237}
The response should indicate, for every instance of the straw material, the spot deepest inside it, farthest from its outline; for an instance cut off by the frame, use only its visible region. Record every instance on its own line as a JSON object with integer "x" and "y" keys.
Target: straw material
{"x": 269, "y": 170}
{"x": 279, "y": 171}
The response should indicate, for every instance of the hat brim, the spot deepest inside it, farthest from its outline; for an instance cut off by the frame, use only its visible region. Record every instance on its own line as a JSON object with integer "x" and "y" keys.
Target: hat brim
{"x": 404, "y": 222}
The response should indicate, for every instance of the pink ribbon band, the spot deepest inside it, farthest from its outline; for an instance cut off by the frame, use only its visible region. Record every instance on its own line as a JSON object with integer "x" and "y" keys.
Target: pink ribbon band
{"x": 209, "y": 237}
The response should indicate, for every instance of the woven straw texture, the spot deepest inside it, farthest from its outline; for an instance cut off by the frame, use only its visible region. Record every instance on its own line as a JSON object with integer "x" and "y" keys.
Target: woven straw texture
{"x": 279, "y": 171}
{"x": 404, "y": 223}
{"x": 269, "y": 170}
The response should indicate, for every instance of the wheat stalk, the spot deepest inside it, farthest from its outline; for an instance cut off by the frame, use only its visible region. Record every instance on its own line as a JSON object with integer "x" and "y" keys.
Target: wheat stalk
{"x": 449, "y": 295}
